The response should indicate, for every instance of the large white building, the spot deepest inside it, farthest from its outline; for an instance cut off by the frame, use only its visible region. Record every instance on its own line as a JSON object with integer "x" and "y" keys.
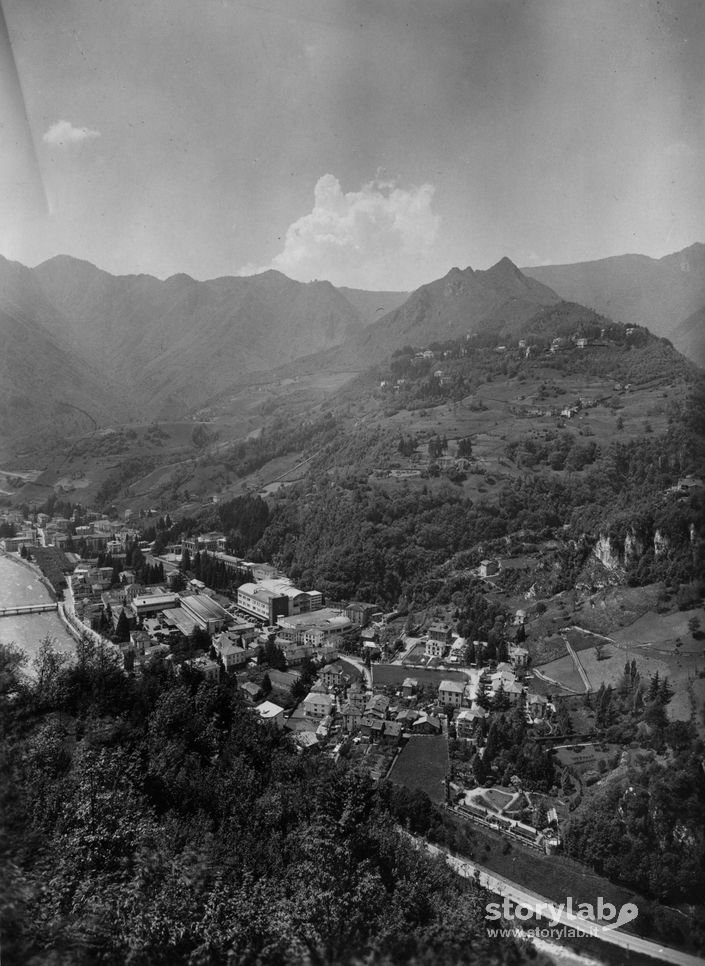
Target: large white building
{"x": 314, "y": 629}
{"x": 152, "y": 604}
{"x": 275, "y": 597}
{"x": 300, "y": 601}
{"x": 265, "y": 605}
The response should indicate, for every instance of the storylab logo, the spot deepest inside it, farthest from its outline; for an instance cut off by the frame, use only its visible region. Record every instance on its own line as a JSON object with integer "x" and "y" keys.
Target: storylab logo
{"x": 583, "y": 917}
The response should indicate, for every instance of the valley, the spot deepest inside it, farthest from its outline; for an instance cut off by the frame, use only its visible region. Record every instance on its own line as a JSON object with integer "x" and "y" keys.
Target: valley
{"x": 515, "y": 484}
{"x": 352, "y": 483}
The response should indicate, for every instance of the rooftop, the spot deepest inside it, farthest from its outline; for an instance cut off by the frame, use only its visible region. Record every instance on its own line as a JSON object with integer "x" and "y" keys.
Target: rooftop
{"x": 318, "y": 699}
{"x": 155, "y": 600}
{"x": 282, "y": 587}
{"x": 204, "y": 607}
{"x": 326, "y": 617}
{"x": 269, "y": 710}
{"x": 257, "y": 591}
{"x": 458, "y": 687}
{"x": 178, "y": 618}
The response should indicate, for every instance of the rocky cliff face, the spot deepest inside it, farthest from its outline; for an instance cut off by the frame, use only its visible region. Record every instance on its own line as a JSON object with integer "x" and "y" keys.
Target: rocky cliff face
{"x": 661, "y": 543}
{"x": 633, "y": 548}
{"x": 609, "y": 555}
{"x": 620, "y": 553}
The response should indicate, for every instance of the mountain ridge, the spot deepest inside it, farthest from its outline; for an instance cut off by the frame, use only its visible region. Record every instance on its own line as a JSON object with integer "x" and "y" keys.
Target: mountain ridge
{"x": 135, "y": 345}
{"x": 635, "y": 289}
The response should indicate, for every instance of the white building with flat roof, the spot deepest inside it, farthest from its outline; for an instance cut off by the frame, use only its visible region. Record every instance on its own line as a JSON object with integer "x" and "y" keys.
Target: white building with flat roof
{"x": 263, "y": 604}
{"x": 142, "y": 606}
{"x": 300, "y": 601}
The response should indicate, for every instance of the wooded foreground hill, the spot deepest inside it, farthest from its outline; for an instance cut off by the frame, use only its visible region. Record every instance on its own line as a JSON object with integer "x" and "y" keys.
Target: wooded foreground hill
{"x": 154, "y": 821}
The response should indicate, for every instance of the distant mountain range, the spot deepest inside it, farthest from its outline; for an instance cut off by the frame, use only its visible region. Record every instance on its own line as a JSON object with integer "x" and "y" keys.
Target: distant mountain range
{"x": 134, "y": 346}
{"x": 660, "y": 293}
{"x": 81, "y": 344}
{"x": 171, "y": 344}
{"x": 45, "y": 387}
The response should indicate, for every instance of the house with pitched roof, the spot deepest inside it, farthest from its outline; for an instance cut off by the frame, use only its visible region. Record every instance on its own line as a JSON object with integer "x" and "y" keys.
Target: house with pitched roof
{"x": 357, "y": 695}
{"x": 352, "y": 716}
{"x": 469, "y": 721}
{"x": 426, "y": 724}
{"x": 271, "y": 714}
{"x": 318, "y": 705}
{"x": 438, "y": 639}
{"x": 332, "y": 675}
{"x": 377, "y": 706}
{"x": 450, "y": 693}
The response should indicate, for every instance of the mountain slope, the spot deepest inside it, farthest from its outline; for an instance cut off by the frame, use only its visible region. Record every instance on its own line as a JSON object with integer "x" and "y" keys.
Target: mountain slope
{"x": 689, "y": 337}
{"x": 460, "y": 303}
{"x": 45, "y": 391}
{"x": 635, "y": 289}
{"x": 372, "y": 306}
{"x": 173, "y": 343}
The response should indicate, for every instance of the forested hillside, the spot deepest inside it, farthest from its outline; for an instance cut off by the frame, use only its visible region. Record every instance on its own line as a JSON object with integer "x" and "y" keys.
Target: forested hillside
{"x": 566, "y": 452}
{"x": 153, "y": 820}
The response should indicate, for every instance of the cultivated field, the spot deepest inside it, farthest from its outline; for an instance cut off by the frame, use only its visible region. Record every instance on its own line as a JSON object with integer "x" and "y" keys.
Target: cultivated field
{"x": 584, "y": 758}
{"x": 423, "y": 763}
{"x": 663, "y": 631}
{"x": 396, "y": 674}
{"x": 564, "y": 673}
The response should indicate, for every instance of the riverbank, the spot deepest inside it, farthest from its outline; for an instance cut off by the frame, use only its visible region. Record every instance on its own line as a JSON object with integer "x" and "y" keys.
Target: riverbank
{"x": 22, "y": 584}
{"x": 36, "y": 571}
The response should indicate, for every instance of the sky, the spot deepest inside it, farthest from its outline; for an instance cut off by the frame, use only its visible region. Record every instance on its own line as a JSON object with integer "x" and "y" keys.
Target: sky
{"x": 374, "y": 143}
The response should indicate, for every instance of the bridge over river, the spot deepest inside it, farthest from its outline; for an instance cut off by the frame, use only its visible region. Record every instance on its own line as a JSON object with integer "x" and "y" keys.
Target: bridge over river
{"x": 27, "y": 609}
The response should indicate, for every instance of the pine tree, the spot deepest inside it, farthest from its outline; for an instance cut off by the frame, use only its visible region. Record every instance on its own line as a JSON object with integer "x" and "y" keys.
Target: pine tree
{"x": 500, "y": 701}
{"x": 185, "y": 564}
{"x": 654, "y": 687}
{"x": 482, "y": 698}
{"x": 479, "y": 769}
{"x": 122, "y": 629}
{"x": 665, "y": 691}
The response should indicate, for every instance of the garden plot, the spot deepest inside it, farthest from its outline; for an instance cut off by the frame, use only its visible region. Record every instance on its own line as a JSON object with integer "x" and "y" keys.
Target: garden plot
{"x": 423, "y": 764}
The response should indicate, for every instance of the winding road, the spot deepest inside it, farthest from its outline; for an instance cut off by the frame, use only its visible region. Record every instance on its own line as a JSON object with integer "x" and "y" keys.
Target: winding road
{"x": 576, "y": 661}
{"x": 531, "y": 900}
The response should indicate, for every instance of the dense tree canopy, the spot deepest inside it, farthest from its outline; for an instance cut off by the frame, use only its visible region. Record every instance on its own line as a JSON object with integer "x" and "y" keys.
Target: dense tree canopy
{"x": 153, "y": 820}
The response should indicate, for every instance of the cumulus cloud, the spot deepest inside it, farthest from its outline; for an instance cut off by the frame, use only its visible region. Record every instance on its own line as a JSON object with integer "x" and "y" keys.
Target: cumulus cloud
{"x": 63, "y": 133}
{"x": 376, "y": 237}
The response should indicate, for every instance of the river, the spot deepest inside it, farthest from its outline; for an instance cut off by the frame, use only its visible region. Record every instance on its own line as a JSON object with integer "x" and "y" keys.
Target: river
{"x": 20, "y": 585}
